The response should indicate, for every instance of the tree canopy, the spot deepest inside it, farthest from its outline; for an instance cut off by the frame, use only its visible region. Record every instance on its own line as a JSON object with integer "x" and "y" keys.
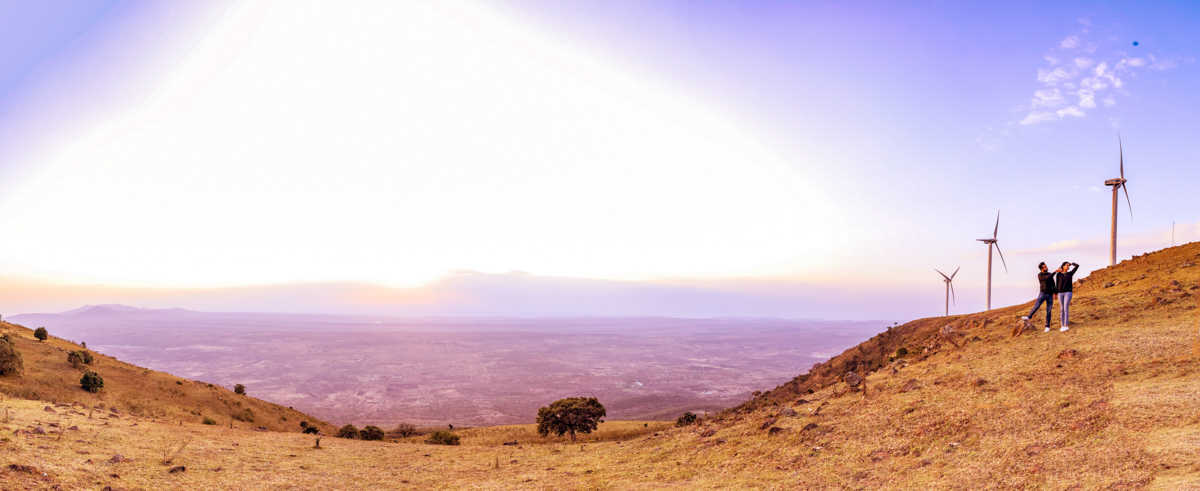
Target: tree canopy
{"x": 570, "y": 415}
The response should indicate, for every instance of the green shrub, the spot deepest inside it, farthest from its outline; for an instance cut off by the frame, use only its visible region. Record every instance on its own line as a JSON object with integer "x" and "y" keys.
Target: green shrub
{"x": 239, "y": 389}
{"x": 91, "y": 381}
{"x": 570, "y": 415}
{"x": 11, "y": 361}
{"x": 901, "y": 352}
{"x": 209, "y": 421}
{"x": 79, "y": 358}
{"x": 348, "y": 431}
{"x": 41, "y": 334}
{"x": 442, "y": 438}
{"x": 371, "y": 433}
{"x": 688, "y": 418}
{"x": 244, "y": 415}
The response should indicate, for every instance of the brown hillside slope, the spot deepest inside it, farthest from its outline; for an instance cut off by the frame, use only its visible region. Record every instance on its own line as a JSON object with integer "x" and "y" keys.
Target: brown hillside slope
{"x": 136, "y": 391}
{"x": 1111, "y": 404}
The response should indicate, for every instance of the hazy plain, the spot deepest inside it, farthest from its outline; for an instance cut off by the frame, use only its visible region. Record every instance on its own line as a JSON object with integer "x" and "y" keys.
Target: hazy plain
{"x": 463, "y": 371}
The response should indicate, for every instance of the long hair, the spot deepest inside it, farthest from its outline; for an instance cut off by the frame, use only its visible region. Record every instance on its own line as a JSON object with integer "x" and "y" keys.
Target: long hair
{"x": 1065, "y": 263}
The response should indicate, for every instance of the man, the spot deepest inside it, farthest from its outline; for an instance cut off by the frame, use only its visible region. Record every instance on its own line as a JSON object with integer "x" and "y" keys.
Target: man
{"x": 1062, "y": 282}
{"x": 1048, "y": 289}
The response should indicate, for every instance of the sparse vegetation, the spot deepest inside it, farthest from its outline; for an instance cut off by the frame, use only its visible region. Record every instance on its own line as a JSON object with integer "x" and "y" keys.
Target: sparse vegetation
{"x": 41, "y": 334}
{"x": 239, "y": 389}
{"x": 11, "y": 361}
{"x": 686, "y": 419}
{"x": 209, "y": 421}
{"x": 442, "y": 438}
{"x": 348, "y": 431}
{"x": 570, "y": 416}
{"x": 371, "y": 433}
{"x": 405, "y": 430}
{"x": 245, "y": 415}
{"x": 91, "y": 381}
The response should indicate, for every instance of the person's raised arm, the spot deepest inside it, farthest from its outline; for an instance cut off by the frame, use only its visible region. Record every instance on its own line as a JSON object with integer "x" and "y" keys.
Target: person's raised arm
{"x": 1074, "y": 268}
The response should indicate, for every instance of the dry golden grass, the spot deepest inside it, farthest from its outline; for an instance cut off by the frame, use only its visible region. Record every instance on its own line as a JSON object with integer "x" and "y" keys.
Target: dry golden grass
{"x": 608, "y": 431}
{"x": 989, "y": 411}
{"x": 134, "y": 390}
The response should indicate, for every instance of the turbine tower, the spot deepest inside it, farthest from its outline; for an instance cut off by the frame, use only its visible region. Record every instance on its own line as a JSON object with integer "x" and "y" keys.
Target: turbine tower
{"x": 990, "y": 242}
{"x": 1117, "y": 184}
{"x": 949, "y": 287}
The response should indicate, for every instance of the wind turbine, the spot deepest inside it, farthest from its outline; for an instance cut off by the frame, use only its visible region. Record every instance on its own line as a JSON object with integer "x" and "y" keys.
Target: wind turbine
{"x": 949, "y": 287}
{"x": 1117, "y": 184}
{"x": 990, "y": 242}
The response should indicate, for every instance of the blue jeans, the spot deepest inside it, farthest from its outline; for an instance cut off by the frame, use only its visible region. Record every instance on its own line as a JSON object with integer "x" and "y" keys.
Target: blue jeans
{"x": 1049, "y": 299}
{"x": 1064, "y": 303}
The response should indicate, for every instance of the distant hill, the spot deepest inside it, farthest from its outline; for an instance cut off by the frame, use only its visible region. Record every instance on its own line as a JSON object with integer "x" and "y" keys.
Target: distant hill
{"x": 1112, "y": 404}
{"x": 48, "y": 376}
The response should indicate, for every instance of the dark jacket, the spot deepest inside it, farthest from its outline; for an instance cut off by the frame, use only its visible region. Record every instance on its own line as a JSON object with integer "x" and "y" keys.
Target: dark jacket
{"x": 1046, "y": 281}
{"x": 1063, "y": 281}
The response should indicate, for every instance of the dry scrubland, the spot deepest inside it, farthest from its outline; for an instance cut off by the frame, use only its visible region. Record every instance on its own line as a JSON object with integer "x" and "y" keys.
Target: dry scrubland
{"x": 1111, "y": 404}
{"x": 134, "y": 390}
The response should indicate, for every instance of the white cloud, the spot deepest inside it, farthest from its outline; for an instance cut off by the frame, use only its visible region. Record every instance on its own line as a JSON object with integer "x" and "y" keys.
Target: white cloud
{"x": 1061, "y": 81}
{"x": 1070, "y": 111}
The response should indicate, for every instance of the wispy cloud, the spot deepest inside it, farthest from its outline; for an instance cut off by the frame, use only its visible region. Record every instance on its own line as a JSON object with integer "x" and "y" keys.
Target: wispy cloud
{"x": 1074, "y": 81}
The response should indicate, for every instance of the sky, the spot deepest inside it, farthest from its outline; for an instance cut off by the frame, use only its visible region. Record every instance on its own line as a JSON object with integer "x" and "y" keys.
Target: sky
{"x": 539, "y": 157}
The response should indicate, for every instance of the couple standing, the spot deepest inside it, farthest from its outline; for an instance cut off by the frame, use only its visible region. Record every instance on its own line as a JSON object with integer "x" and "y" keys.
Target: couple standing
{"x": 1056, "y": 283}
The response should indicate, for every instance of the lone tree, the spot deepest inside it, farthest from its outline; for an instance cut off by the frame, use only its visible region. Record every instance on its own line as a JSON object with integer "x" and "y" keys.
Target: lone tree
{"x": 371, "y": 433}
{"x": 348, "y": 431}
{"x": 570, "y": 415}
{"x": 91, "y": 381}
{"x": 405, "y": 430}
{"x": 11, "y": 361}
{"x": 239, "y": 389}
{"x": 688, "y": 418}
{"x": 41, "y": 334}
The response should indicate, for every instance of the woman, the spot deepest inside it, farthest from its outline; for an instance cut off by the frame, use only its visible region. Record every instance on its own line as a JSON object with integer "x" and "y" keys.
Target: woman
{"x": 1062, "y": 282}
{"x": 1047, "y": 286}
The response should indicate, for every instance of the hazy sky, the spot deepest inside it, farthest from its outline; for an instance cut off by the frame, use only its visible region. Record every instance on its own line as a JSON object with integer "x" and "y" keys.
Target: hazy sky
{"x": 788, "y": 158}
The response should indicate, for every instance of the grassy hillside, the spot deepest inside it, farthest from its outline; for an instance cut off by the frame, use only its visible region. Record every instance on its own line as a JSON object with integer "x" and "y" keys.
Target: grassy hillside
{"x": 1111, "y": 404}
{"x": 135, "y": 391}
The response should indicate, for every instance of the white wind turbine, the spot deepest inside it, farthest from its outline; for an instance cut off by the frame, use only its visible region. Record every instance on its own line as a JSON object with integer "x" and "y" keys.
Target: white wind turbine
{"x": 949, "y": 287}
{"x": 990, "y": 242}
{"x": 1117, "y": 184}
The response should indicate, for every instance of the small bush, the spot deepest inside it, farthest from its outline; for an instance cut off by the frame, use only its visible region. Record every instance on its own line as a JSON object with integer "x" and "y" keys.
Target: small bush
{"x": 348, "y": 431}
{"x": 405, "y": 430}
{"x": 442, "y": 438}
{"x": 304, "y": 424}
{"x": 901, "y": 352}
{"x": 79, "y": 358}
{"x": 239, "y": 389}
{"x": 209, "y": 421}
{"x": 371, "y": 433}
{"x": 11, "y": 361}
{"x": 91, "y": 381}
{"x": 245, "y": 415}
{"x": 311, "y": 430}
{"x": 41, "y": 334}
{"x": 688, "y": 418}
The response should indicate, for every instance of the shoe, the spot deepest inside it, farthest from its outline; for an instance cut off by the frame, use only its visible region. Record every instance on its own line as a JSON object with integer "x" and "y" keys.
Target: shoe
{"x": 1063, "y": 329}
{"x": 1047, "y": 329}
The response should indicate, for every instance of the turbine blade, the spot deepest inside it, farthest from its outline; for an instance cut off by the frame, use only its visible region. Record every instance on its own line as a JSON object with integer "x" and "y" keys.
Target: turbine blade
{"x": 1122, "y": 149}
{"x": 941, "y": 273}
{"x": 1002, "y": 257}
{"x": 1126, "y": 189}
{"x": 952, "y": 297}
{"x": 955, "y": 272}
{"x": 994, "y": 232}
